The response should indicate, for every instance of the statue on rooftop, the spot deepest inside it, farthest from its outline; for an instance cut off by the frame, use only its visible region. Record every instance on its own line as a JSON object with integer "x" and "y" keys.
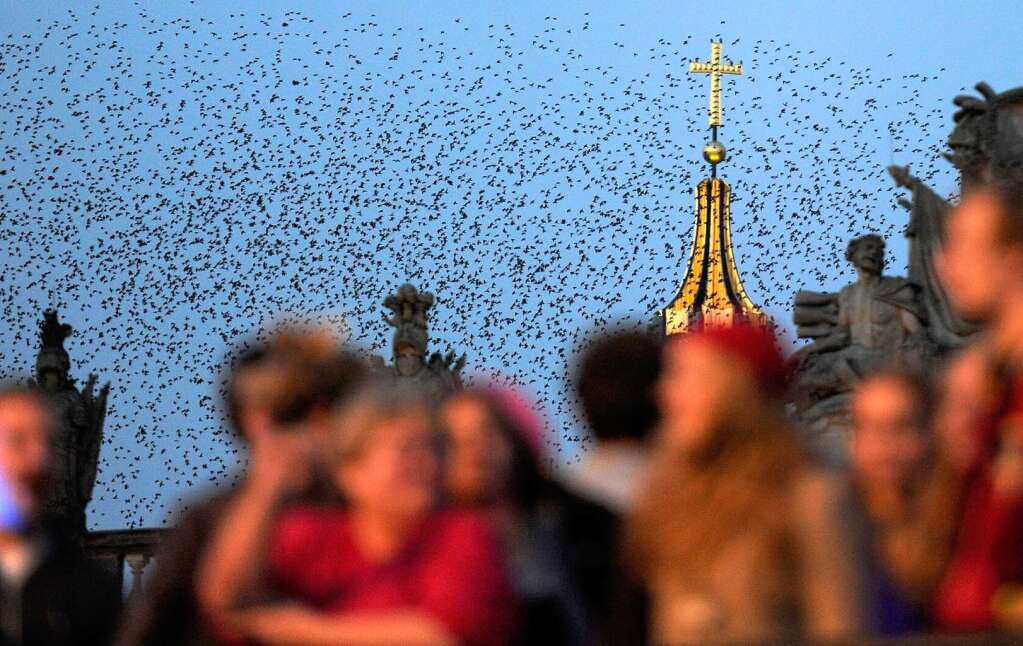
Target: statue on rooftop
{"x": 880, "y": 319}
{"x": 79, "y": 417}
{"x": 987, "y": 147}
{"x": 871, "y": 321}
{"x": 409, "y": 317}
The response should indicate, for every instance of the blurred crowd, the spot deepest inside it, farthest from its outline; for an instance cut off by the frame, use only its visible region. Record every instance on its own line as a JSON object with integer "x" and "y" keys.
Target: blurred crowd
{"x": 374, "y": 513}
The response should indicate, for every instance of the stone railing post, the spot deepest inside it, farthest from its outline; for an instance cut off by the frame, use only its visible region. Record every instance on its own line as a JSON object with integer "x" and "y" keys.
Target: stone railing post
{"x": 137, "y": 563}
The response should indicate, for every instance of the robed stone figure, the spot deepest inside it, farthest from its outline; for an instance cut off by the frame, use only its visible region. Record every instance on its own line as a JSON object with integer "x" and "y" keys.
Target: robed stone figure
{"x": 78, "y": 416}
{"x": 986, "y": 146}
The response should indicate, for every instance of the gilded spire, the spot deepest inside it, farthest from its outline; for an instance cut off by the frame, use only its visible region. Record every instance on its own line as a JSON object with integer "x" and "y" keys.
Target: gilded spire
{"x": 712, "y": 292}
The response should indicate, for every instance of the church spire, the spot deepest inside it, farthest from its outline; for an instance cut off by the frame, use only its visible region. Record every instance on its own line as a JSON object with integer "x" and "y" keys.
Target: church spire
{"x": 712, "y": 292}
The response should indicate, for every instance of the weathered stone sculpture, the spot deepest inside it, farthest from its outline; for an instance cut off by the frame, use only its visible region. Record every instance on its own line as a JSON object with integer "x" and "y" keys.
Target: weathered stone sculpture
{"x": 79, "y": 416}
{"x": 987, "y": 142}
{"x": 871, "y": 321}
{"x": 409, "y": 316}
{"x": 879, "y": 319}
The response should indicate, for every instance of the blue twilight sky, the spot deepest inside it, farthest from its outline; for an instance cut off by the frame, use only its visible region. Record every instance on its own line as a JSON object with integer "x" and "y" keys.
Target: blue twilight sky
{"x": 174, "y": 176}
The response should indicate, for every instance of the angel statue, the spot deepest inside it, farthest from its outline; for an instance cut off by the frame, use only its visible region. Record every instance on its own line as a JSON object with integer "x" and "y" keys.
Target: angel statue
{"x": 871, "y": 321}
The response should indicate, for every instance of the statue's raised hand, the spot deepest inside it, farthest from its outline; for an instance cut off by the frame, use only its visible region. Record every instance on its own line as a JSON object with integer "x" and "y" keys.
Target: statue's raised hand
{"x": 901, "y": 175}
{"x": 459, "y": 364}
{"x": 90, "y": 383}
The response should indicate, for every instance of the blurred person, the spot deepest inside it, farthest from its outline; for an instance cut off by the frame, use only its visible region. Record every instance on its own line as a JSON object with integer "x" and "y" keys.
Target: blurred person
{"x": 387, "y": 567}
{"x": 901, "y": 498}
{"x": 982, "y": 269}
{"x": 276, "y": 395}
{"x": 735, "y": 534}
{"x": 553, "y": 539}
{"x": 50, "y": 592}
{"x": 615, "y": 382}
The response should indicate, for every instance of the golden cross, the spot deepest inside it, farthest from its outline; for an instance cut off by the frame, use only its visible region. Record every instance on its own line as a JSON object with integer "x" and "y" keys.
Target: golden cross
{"x": 715, "y": 68}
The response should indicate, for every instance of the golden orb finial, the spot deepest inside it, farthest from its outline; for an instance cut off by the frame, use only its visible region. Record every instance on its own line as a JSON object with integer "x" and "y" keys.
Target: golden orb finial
{"x": 714, "y": 152}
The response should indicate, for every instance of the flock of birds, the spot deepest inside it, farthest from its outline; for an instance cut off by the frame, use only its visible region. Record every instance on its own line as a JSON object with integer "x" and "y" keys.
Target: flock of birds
{"x": 173, "y": 185}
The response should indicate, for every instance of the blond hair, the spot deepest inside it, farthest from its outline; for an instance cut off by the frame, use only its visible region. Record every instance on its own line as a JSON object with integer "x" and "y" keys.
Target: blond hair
{"x": 362, "y": 413}
{"x": 692, "y": 504}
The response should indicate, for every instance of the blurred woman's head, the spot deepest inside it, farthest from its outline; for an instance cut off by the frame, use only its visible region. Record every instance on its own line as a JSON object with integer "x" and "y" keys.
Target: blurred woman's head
{"x": 725, "y": 449}
{"x": 491, "y": 456}
{"x": 386, "y": 453}
{"x": 718, "y": 382}
{"x": 890, "y": 412}
{"x": 982, "y": 257}
{"x": 290, "y": 383}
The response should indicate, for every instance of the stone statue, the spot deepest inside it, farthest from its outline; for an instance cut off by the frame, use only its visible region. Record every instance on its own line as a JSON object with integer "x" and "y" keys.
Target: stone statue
{"x": 880, "y": 318}
{"x": 987, "y": 141}
{"x": 868, "y": 322}
{"x": 409, "y": 315}
{"x": 78, "y": 415}
{"x": 987, "y": 146}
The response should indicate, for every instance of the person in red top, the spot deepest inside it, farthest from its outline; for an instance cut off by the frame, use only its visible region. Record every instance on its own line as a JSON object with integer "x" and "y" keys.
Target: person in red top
{"x": 982, "y": 267}
{"x": 390, "y": 567}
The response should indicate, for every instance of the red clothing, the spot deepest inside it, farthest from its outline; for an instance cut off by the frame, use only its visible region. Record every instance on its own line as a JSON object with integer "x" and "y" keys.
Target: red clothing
{"x": 451, "y": 568}
{"x": 988, "y": 552}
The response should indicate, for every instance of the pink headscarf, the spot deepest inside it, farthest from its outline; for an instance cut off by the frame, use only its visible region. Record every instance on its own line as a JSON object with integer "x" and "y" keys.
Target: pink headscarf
{"x": 523, "y": 414}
